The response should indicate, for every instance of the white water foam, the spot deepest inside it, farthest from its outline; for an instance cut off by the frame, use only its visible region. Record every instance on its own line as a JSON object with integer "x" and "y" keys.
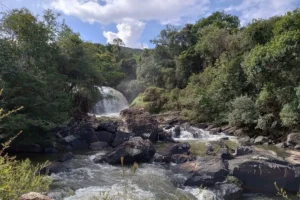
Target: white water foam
{"x": 188, "y": 133}
{"x": 111, "y": 105}
{"x": 117, "y": 191}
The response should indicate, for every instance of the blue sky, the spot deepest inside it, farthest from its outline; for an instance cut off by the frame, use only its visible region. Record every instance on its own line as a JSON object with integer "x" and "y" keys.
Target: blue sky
{"x": 138, "y": 21}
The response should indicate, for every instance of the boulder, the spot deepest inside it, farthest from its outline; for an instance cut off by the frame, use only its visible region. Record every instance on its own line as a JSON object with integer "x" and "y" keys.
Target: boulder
{"x": 176, "y": 131}
{"x": 201, "y": 125}
{"x": 215, "y": 130}
{"x": 66, "y": 157}
{"x": 297, "y": 146}
{"x": 98, "y": 145}
{"x": 120, "y": 138}
{"x": 105, "y": 136}
{"x": 134, "y": 150}
{"x": 165, "y": 136}
{"x": 261, "y": 140}
{"x": 54, "y": 167}
{"x": 109, "y": 126}
{"x": 177, "y": 148}
{"x": 293, "y": 139}
{"x": 69, "y": 138}
{"x": 182, "y": 158}
{"x": 244, "y": 141}
{"x": 158, "y": 158}
{"x": 34, "y": 196}
{"x": 280, "y": 145}
{"x": 87, "y": 134}
{"x": 241, "y": 151}
{"x": 78, "y": 144}
{"x": 205, "y": 172}
{"x": 140, "y": 123}
{"x": 209, "y": 149}
{"x": 259, "y": 176}
{"x": 225, "y": 154}
{"x": 228, "y": 191}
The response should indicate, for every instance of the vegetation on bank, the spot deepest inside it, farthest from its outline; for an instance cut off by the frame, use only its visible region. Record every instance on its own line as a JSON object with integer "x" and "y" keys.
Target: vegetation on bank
{"x": 50, "y": 71}
{"x": 212, "y": 71}
{"x": 217, "y": 71}
{"x": 19, "y": 177}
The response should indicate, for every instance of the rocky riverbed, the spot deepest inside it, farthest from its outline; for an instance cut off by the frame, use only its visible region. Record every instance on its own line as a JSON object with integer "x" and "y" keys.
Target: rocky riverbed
{"x": 176, "y": 160}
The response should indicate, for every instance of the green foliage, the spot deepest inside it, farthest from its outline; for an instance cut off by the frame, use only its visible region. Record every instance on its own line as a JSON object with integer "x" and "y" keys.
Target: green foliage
{"x": 234, "y": 180}
{"x": 51, "y": 71}
{"x": 243, "y": 112}
{"x": 19, "y": 177}
{"x": 289, "y": 115}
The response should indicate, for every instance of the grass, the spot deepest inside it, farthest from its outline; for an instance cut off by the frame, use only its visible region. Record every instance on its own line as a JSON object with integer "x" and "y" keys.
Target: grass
{"x": 139, "y": 102}
{"x": 198, "y": 148}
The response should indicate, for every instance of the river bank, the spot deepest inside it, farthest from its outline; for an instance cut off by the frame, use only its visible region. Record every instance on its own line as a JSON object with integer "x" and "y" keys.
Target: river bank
{"x": 183, "y": 160}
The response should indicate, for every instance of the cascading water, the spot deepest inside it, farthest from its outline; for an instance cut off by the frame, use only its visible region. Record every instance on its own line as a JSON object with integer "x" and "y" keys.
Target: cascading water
{"x": 112, "y": 104}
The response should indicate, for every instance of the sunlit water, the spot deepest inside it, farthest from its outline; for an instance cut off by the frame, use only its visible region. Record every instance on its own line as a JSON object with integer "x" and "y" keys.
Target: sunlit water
{"x": 111, "y": 104}
{"x": 86, "y": 180}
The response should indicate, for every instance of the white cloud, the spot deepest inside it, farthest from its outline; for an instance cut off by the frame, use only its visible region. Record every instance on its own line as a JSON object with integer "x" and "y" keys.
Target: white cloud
{"x": 108, "y": 11}
{"x": 129, "y": 31}
{"x": 255, "y": 9}
{"x": 130, "y": 14}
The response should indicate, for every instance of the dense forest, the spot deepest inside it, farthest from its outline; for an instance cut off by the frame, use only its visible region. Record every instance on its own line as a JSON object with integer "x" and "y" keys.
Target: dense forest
{"x": 213, "y": 71}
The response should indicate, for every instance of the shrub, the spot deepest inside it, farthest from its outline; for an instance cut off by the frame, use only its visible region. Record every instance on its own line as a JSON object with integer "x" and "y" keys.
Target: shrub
{"x": 19, "y": 177}
{"x": 289, "y": 115}
{"x": 243, "y": 112}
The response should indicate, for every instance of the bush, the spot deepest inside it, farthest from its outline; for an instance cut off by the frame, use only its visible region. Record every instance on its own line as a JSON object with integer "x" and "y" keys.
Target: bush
{"x": 289, "y": 115}
{"x": 20, "y": 177}
{"x": 243, "y": 112}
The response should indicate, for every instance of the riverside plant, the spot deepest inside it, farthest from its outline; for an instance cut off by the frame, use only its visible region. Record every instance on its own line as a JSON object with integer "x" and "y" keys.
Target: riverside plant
{"x": 19, "y": 177}
{"x": 281, "y": 192}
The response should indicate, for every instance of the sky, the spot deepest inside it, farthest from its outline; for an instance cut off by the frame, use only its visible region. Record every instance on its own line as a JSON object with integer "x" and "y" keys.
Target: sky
{"x": 136, "y": 22}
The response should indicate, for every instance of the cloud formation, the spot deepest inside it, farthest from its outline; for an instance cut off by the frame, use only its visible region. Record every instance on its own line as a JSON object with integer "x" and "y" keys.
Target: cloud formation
{"x": 114, "y": 11}
{"x": 256, "y": 9}
{"x": 129, "y": 31}
{"x": 130, "y": 14}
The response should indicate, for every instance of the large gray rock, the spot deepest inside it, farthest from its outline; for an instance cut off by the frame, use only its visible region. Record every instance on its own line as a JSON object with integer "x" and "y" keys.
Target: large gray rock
{"x": 241, "y": 151}
{"x": 87, "y": 134}
{"x": 177, "y": 131}
{"x": 120, "y": 138}
{"x": 293, "y": 139}
{"x": 260, "y": 140}
{"x": 228, "y": 191}
{"x": 105, "y": 136}
{"x": 205, "y": 172}
{"x": 66, "y": 157}
{"x": 244, "y": 141}
{"x": 259, "y": 176}
{"x": 134, "y": 150}
{"x": 110, "y": 126}
{"x": 182, "y": 158}
{"x": 54, "y": 167}
{"x": 34, "y": 196}
{"x": 140, "y": 123}
{"x": 69, "y": 138}
{"x": 178, "y": 148}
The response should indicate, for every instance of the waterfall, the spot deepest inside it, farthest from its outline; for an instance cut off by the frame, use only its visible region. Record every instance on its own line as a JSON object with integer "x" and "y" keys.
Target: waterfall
{"x": 112, "y": 104}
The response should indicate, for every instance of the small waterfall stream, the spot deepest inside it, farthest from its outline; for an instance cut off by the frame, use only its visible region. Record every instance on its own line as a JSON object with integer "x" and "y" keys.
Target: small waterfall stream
{"x": 112, "y": 104}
